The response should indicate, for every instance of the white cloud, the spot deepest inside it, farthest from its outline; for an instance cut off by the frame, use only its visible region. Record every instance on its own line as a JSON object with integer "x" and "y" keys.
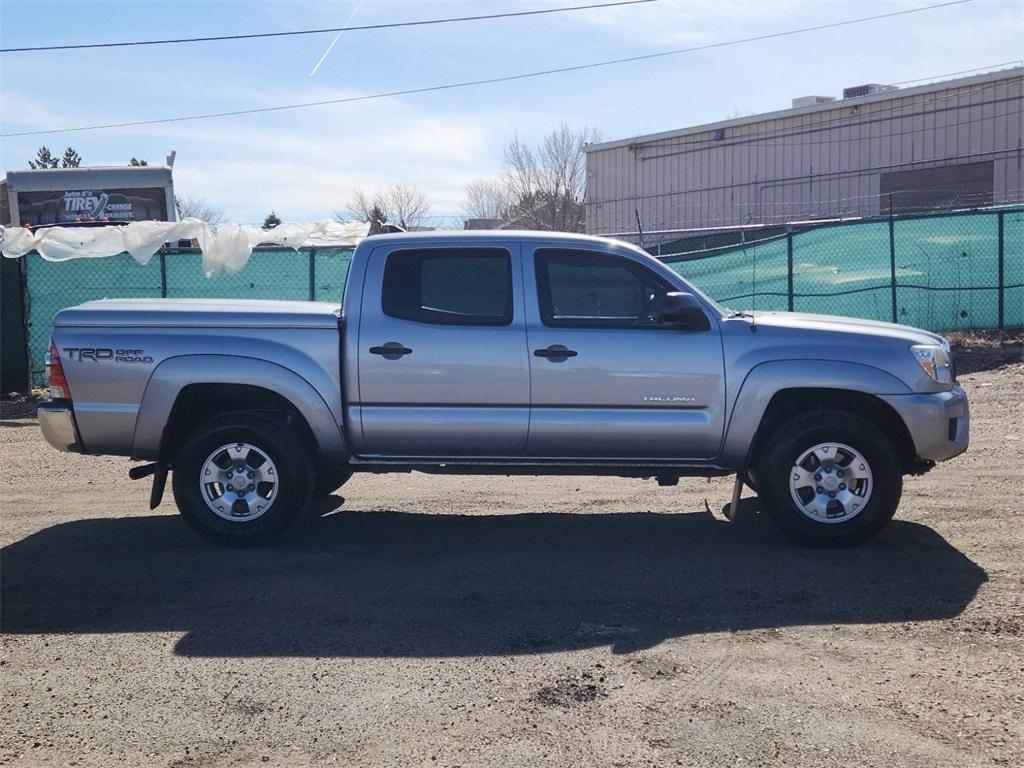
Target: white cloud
{"x": 306, "y": 165}
{"x": 303, "y": 164}
{"x": 310, "y": 168}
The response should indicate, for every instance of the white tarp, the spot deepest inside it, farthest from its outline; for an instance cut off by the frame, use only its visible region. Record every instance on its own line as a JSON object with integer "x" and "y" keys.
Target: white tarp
{"x": 224, "y": 246}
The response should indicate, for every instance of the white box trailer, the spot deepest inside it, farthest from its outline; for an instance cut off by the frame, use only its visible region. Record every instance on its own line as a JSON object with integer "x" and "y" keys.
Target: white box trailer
{"x": 68, "y": 197}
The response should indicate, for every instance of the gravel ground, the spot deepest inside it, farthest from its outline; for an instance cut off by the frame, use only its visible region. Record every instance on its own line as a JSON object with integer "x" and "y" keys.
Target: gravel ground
{"x": 492, "y": 621}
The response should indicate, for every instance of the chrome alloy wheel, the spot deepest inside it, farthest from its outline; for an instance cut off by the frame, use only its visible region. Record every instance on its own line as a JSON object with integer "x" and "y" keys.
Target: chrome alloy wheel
{"x": 238, "y": 482}
{"x": 831, "y": 483}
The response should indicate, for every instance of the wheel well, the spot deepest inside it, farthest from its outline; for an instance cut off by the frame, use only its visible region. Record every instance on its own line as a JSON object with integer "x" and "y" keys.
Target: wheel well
{"x": 791, "y": 402}
{"x": 197, "y": 403}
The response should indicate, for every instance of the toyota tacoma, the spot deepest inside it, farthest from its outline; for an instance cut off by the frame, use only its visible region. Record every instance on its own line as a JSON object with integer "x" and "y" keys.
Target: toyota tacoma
{"x": 502, "y": 353}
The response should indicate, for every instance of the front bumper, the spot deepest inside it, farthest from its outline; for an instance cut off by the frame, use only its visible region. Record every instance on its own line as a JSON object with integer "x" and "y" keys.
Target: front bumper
{"x": 57, "y": 422}
{"x": 939, "y": 422}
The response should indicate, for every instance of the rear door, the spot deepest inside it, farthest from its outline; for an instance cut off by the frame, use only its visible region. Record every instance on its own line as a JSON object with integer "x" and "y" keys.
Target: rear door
{"x": 443, "y": 368}
{"x": 609, "y": 378}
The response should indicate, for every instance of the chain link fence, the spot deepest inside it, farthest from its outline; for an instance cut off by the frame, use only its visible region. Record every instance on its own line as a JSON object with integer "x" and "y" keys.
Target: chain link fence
{"x": 960, "y": 271}
{"x": 314, "y": 274}
{"x": 941, "y": 272}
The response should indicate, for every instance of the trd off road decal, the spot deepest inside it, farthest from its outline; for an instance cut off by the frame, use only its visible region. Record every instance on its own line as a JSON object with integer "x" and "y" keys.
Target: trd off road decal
{"x": 97, "y": 354}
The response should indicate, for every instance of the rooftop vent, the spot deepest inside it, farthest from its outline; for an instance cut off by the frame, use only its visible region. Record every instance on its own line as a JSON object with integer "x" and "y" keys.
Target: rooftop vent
{"x": 866, "y": 90}
{"x": 810, "y": 101}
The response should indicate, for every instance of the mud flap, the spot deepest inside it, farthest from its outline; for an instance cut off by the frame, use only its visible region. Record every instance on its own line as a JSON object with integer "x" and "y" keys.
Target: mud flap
{"x": 159, "y": 482}
{"x": 737, "y": 491}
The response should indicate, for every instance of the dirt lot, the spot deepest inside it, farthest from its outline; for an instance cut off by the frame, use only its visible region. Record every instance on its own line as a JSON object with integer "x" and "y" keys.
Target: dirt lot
{"x": 493, "y": 621}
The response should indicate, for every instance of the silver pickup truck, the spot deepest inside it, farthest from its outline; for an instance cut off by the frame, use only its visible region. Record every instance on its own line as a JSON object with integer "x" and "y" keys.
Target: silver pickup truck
{"x": 502, "y": 353}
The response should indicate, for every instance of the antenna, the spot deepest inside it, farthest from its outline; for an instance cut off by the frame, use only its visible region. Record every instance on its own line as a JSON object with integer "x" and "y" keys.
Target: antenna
{"x": 639, "y": 226}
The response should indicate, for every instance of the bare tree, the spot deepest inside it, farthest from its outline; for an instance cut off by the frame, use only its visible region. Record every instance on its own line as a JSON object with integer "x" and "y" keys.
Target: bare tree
{"x": 197, "y": 208}
{"x": 359, "y": 208}
{"x": 548, "y": 182}
{"x": 405, "y": 206}
{"x": 486, "y": 199}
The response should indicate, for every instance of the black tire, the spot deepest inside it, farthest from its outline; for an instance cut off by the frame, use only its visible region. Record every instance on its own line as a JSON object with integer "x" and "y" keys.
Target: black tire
{"x": 751, "y": 480}
{"x": 801, "y": 433}
{"x": 330, "y": 479}
{"x": 291, "y": 494}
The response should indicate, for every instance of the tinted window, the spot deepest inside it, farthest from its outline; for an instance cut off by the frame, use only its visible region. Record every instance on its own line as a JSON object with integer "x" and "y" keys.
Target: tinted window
{"x": 583, "y": 288}
{"x": 453, "y": 287}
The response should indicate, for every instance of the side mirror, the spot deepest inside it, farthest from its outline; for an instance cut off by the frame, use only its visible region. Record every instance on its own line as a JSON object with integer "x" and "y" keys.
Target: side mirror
{"x": 683, "y": 309}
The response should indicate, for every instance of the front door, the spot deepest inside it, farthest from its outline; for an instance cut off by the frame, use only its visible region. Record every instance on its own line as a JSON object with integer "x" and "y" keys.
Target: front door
{"x": 609, "y": 378}
{"x": 443, "y": 369}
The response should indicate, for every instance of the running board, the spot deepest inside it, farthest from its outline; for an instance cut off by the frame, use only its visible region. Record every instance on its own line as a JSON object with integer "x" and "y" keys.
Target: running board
{"x": 620, "y": 468}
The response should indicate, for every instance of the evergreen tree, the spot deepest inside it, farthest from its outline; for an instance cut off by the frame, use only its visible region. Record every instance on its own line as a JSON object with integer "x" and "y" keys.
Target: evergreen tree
{"x": 44, "y": 159}
{"x": 271, "y": 221}
{"x": 71, "y": 159}
{"x": 134, "y": 162}
{"x": 377, "y": 219}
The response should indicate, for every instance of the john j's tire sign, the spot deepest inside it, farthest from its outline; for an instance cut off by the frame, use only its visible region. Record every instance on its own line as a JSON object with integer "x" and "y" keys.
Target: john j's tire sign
{"x": 137, "y": 204}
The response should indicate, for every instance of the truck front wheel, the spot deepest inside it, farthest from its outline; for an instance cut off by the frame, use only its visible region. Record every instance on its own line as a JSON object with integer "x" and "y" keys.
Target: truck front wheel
{"x": 241, "y": 480}
{"x": 829, "y": 478}
{"x": 329, "y": 479}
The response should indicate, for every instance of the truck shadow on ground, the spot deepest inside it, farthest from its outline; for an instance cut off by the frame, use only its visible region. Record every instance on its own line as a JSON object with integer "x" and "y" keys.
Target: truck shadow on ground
{"x": 412, "y": 585}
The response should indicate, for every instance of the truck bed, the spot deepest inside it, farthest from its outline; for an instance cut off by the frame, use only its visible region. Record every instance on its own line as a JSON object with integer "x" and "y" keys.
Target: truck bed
{"x": 204, "y": 313}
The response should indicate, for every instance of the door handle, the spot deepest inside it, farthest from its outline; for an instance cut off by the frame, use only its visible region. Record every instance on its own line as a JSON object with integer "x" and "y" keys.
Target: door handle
{"x": 555, "y": 350}
{"x": 391, "y": 351}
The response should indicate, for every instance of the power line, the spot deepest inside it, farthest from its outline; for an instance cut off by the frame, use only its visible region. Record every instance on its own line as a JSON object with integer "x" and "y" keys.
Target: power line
{"x": 491, "y": 80}
{"x": 360, "y": 28}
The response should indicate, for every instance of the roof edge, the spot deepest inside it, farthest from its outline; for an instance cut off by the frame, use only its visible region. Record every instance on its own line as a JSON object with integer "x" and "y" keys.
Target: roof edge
{"x": 1002, "y": 74}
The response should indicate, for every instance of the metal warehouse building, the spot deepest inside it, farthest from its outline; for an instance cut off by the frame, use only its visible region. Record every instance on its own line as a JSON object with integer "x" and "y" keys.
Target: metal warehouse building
{"x": 947, "y": 145}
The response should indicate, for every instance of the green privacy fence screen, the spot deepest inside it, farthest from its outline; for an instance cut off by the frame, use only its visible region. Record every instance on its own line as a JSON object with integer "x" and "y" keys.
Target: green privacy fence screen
{"x": 950, "y": 272}
{"x": 942, "y": 272}
{"x": 271, "y": 273}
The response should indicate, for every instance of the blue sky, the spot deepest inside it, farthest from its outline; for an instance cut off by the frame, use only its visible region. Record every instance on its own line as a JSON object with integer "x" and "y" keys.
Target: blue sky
{"x": 304, "y": 164}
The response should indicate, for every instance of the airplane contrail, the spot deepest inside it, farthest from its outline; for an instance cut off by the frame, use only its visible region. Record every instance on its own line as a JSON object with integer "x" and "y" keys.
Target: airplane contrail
{"x": 337, "y": 37}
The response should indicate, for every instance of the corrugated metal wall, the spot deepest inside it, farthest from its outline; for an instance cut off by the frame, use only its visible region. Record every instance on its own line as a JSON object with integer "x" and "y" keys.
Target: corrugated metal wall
{"x": 816, "y": 162}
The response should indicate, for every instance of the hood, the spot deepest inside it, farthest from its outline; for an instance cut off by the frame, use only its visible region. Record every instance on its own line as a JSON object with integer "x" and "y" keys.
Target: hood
{"x": 836, "y": 324}
{"x": 206, "y": 313}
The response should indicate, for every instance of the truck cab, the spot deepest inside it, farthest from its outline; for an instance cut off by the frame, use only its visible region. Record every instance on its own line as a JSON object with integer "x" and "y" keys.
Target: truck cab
{"x": 540, "y": 347}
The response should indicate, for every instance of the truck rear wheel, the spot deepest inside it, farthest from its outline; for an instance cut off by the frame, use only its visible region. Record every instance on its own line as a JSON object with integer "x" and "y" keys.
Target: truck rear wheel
{"x": 241, "y": 480}
{"x": 830, "y": 479}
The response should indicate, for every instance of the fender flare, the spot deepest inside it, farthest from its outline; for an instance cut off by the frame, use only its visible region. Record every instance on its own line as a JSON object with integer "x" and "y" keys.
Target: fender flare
{"x": 175, "y": 373}
{"x": 765, "y": 380}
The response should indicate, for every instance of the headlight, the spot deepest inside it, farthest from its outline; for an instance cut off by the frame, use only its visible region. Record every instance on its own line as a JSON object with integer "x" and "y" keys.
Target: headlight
{"x": 935, "y": 361}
